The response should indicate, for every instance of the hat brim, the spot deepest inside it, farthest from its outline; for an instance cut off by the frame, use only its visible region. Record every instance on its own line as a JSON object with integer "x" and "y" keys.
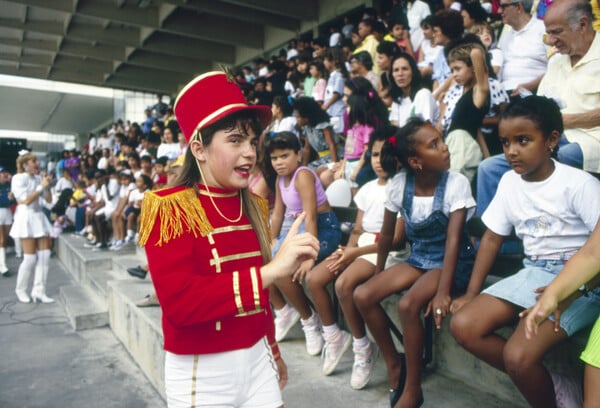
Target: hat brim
{"x": 265, "y": 116}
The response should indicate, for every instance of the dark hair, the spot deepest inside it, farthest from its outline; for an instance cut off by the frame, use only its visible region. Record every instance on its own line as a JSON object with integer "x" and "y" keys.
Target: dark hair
{"x": 370, "y": 22}
{"x": 426, "y": 22}
{"x": 282, "y": 140}
{"x": 389, "y": 162}
{"x": 388, "y": 48}
{"x": 309, "y": 108}
{"x": 283, "y": 104}
{"x": 474, "y": 9}
{"x": 366, "y": 108}
{"x": 398, "y": 19}
{"x": 337, "y": 57}
{"x": 450, "y": 23}
{"x": 147, "y": 181}
{"x": 416, "y": 84}
{"x": 162, "y": 160}
{"x": 405, "y": 140}
{"x": 146, "y": 158}
{"x": 318, "y": 64}
{"x": 542, "y": 111}
{"x": 364, "y": 58}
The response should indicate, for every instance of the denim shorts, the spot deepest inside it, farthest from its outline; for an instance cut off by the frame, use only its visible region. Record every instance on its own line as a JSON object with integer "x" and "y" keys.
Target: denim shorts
{"x": 518, "y": 289}
{"x": 328, "y": 231}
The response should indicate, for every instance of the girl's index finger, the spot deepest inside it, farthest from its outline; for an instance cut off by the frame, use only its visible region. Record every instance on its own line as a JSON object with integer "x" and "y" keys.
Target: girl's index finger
{"x": 296, "y": 225}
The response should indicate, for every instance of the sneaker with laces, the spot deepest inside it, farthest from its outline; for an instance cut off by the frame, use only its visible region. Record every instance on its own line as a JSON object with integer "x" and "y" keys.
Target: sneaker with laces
{"x": 567, "y": 390}
{"x": 364, "y": 365}
{"x": 284, "y": 321}
{"x": 334, "y": 349}
{"x": 314, "y": 337}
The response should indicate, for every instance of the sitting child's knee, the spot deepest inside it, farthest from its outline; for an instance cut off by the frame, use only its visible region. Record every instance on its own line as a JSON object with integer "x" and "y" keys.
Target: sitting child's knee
{"x": 362, "y": 296}
{"x": 459, "y": 327}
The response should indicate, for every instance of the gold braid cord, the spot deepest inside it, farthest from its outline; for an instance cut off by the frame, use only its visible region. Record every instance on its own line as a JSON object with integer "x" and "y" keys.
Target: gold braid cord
{"x": 178, "y": 212}
{"x": 263, "y": 206}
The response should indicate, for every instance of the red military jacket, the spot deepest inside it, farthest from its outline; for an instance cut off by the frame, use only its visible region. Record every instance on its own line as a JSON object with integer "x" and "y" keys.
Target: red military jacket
{"x": 206, "y": 270}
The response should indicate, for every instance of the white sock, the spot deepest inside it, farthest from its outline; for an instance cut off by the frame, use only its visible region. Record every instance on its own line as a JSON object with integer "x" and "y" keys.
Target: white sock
{"x": 284, "y": 310}
{"x": 330, "y": 331}
{"x": 130, "y": 233}
{"x": 360, "y": 343}
{"x": 311, "y": 321}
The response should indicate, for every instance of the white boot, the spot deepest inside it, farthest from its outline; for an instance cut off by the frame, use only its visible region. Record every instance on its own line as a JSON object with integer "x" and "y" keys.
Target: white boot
{"x": 3, "y": 268}
{"x": 23, "y": 276}
{"x": 38, "y": 293}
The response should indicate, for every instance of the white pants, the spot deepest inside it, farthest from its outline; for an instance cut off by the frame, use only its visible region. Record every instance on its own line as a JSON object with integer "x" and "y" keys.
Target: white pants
{"x": 465, "y": 153}
{"x": 239, "y": 378}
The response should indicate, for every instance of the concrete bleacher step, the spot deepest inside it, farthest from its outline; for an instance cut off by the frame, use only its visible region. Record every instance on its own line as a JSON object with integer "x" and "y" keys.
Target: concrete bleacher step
{"x": 139, "y": 329}
{"x": 83, "y": 307}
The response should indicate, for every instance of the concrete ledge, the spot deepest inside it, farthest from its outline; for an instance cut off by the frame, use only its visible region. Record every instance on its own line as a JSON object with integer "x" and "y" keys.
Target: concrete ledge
{"x": 451, "y": 360}
{"x": 139, "y": 329}
{"x": 84, "y": 309}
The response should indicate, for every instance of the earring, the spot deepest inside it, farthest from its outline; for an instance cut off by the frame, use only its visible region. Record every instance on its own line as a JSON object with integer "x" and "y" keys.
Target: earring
{"x": 419, "y": 167}
{"x": 551, "y": 149}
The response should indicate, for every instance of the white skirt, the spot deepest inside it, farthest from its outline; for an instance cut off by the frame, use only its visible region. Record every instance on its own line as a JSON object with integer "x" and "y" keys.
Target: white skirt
{"x": 30, "y": 224}
{"x": 238, "y": 378}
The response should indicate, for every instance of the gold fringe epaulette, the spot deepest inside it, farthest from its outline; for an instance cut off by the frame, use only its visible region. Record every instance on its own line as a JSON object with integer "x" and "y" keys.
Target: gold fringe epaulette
{"x": 178, "y": 211}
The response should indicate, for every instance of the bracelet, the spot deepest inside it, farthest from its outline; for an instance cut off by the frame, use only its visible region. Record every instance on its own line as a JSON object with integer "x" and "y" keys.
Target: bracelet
{"x": 39, "y": 189}
{"x": 583, "y": 290}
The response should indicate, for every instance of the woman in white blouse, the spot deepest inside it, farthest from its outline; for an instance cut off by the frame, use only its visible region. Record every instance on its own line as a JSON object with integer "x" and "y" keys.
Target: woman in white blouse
{"x": 32, "y": 228}
{"x": 410, "y": 96}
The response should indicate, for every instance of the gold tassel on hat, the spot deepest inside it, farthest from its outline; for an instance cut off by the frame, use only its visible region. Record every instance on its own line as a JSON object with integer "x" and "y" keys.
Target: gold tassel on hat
{"x": 176, "y": 211}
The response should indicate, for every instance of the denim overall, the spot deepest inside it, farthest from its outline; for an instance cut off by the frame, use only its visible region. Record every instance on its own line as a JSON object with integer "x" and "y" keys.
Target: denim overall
{"x": 428, "y": 237}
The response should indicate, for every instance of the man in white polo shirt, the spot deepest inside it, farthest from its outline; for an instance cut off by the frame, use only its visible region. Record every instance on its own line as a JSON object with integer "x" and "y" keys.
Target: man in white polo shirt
{"x": 523, "y": 48}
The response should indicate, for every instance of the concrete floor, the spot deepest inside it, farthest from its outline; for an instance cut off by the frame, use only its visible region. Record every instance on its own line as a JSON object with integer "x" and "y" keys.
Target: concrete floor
{"x": 45, "y": 363}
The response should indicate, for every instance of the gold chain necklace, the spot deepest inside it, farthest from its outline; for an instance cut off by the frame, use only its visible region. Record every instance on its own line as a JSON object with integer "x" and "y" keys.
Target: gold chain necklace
{"x": 239, "y": 217}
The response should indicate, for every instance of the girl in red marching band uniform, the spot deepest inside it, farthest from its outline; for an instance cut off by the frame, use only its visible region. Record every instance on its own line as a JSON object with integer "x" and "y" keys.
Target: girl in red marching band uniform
{"x": 208, "y": 248}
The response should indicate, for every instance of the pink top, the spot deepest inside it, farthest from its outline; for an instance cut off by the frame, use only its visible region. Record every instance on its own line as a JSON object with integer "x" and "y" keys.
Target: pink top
{"x": 318, "y": 91}
{"x": 291, "y": 197}
{"x": 357, "y": 138}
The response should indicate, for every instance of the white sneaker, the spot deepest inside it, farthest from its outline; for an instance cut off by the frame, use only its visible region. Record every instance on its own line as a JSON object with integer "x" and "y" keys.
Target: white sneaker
{"x": 314, "y": 337}
{"x": 567, "y": 390}
{"x": 284, "y": 321}
{"x": 364, "y": 365}
{"x": 334, "y": 349}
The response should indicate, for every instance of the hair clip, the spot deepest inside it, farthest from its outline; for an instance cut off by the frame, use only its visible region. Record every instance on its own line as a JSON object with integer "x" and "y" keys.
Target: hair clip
{"x": 370, "y": 94}
{"x": 393, "y": 141}
{"x": 23, "y": 152}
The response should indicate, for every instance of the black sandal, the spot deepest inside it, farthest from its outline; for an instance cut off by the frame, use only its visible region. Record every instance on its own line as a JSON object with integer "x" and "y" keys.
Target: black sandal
{"x": 396, "y": 393}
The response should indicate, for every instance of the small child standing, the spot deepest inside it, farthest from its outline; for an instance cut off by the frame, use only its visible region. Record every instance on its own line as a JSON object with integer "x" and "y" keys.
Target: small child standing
{"x": 350, "y": 266}
{"x": 334, "y": 91}
{"x": 298, "y": 190}
{"x": 365, "y": 113}
{"x": 553, "y": 208}
{"x": 434, "y": 205}
{"x": 317, "y": 71}
{"x": 469, "y": 68}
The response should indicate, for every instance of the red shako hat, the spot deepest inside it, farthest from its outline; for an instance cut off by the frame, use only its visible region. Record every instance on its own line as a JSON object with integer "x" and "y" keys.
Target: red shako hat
{"x": 210, "y": 97}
